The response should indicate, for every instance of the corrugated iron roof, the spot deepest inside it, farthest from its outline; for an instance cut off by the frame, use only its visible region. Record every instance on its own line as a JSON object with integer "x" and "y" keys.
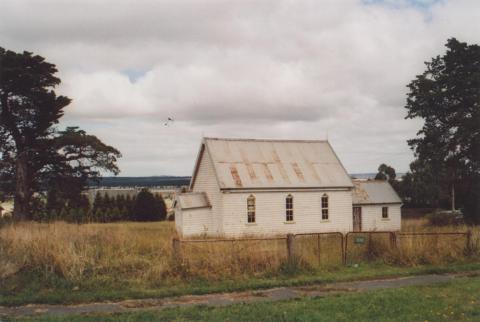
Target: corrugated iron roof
{"x": 193, "y": 200}
{"x": 251, "y": 164}
{"x": 374, "y": 192}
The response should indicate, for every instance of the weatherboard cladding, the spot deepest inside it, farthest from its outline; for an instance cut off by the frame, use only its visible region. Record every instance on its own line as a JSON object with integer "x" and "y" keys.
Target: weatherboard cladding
{"x": 374, "y": 192}
{"x": 270, "y": 218}
{"x": 372, "y": 217}
{"x": 204, "y": 181}
{"x": 274, "y": 164}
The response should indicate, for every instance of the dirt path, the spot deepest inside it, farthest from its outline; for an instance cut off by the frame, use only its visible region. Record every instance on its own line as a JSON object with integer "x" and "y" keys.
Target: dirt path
{"x": 223, "y": 299}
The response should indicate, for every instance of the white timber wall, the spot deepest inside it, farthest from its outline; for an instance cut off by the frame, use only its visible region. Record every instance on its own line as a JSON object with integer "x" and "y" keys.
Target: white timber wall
{"x": 196, "y": 222}
{"x": 271, "y": 218}
{"x": 372, "y": 217}
{"x": 206, "y": 182}
{"x": 179, "y": 219}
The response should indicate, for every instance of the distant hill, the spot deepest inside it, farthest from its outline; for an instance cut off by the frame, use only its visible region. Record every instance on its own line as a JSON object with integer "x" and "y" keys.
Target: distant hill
{"x": 154, "y": 181}
{"x": 372, "y": 175}
{"x": 363, "y": 175}
{"x": 175, "y": 181}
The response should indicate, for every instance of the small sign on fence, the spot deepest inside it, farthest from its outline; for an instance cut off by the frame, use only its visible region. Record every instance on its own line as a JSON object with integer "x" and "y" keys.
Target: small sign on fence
{"x": 359, "y": 240}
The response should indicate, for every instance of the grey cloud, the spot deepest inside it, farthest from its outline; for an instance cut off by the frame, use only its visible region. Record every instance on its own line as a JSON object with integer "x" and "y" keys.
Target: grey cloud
{"x": 277, "y": 68}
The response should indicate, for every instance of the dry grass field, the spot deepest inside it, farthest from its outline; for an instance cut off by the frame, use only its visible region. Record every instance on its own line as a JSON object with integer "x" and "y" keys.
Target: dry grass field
{"x": 143, "y": 251}
{"x": 133, "y": 250}
{"x": 69, "y": 263}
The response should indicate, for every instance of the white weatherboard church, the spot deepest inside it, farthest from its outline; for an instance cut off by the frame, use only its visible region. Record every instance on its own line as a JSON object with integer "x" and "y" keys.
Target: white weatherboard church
{"x": 247, "y": 187}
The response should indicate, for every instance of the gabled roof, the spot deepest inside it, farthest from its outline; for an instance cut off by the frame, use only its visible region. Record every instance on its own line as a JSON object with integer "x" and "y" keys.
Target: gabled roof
{"x": 374, "y": 192}
{"x": 274, "y": 164}
{"x": 193, "y": 200}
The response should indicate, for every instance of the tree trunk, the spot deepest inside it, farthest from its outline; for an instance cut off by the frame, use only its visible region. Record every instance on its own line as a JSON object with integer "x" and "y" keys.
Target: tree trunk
{"x": 21, "y": 206}
{"x": 453, "y": 198}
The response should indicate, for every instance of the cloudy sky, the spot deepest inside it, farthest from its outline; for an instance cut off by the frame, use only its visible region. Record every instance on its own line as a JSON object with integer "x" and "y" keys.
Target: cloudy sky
{"x": 260, "y": 69}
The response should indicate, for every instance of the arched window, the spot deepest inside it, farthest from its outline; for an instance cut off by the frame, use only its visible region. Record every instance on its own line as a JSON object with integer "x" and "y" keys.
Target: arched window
{"x": 289, "y": 208}
{"x": 325, "y": 207}
{"x": 251, "y": 209}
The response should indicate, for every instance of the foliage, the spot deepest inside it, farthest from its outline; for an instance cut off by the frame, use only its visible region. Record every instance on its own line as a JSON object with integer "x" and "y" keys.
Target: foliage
{"x": 105, "y": 208}
{"x": 443, "y": 219}
{"x": 148, "y": 207}
{"x": 34, "y": 154}
{"x": 420, "y": 187}
{"x": 447, "y": 148}
{"x": 153, "y": 181}
{"x": 386, "y": 172}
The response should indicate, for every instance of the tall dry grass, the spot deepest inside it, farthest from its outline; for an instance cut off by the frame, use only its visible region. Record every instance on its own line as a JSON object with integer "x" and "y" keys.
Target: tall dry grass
{"x": 412, "y": 248}
{"x": 218, "y": 260}
{"x": 143, "y": 251}
{"x": 130, "y": 250}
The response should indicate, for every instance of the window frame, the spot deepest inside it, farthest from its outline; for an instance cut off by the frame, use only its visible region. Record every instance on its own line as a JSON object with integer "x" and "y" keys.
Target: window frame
{"x": 324, "y": 204}
{"x": 251, "y": 209}
{"x": 289, "y": 208}
{"x": 385, "y": 214}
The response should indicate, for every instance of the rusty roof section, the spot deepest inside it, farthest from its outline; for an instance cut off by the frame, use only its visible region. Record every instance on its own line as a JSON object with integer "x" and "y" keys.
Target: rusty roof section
{"x": 276, "y": 164}
{"x": 193, "y": 200}
{"x": 374, "y": 192}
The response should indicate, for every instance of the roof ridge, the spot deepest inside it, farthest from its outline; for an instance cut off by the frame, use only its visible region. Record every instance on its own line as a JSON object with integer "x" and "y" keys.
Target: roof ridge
{"x": 265, "y": 140}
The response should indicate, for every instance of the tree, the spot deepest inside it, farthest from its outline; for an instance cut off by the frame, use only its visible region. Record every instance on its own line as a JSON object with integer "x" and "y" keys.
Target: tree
{"x": 124, "y": 214}
{"x": 98, "y": 215}
{"x": 147, "y": 207}
{"x": 116, "y": 215}
{"x": 53, "y": 201}
{"x": 447, "y": 97}
{"x": 161, "y": 206}
{"x": 34, "y": 154}
{"x": 386, "y": 172}
{"x": 98, "y": 202}
{"x": 129, "y": 204}
{"x": 420, "y": 187}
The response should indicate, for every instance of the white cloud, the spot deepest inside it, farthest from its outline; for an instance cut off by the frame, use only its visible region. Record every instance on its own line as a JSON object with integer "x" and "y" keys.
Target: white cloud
{"x": 278, "y": 68}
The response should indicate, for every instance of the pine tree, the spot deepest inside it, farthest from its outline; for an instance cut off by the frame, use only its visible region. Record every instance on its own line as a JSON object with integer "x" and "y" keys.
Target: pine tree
{"x": 98, "y": 202}
{"x": 109, "y": 215}
{"x": 98, "y": 215}
{"x": 124, "y": 215}
{"x": 129, "y": 203}
{"x": 120, "y": 201}
{"x": 115, "y": 214}
{"x": 148, "y": 208}
{"x": 63, "y": 215}
{"x": 446, "y": 97}
{"x": 107, "y": 201}
{"x": 162, "y": 207}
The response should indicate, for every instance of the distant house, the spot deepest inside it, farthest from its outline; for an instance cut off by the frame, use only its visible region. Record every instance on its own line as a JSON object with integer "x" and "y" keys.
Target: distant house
{"x": 246, "y": 187}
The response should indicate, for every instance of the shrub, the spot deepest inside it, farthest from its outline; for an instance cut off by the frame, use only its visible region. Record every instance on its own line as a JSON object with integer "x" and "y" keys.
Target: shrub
{"x": 444, "y": 219}
{"x": 149, "y": 208}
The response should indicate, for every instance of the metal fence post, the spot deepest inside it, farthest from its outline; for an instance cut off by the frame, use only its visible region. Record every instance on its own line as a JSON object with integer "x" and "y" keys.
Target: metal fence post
{"x": 345, "y": 249}
{"x": 397, "y": 240}
{"x": 290, "y": 247}
{"x": 318, "y": 246}
{"x": 176, "y": 250}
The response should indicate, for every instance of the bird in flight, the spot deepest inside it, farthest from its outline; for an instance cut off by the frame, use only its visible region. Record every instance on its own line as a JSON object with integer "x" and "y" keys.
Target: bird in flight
{"x": 169, "y": 121}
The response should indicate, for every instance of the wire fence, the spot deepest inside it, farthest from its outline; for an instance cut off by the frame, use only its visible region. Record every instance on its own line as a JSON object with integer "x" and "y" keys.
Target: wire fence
{"x": 323, "y": 249}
